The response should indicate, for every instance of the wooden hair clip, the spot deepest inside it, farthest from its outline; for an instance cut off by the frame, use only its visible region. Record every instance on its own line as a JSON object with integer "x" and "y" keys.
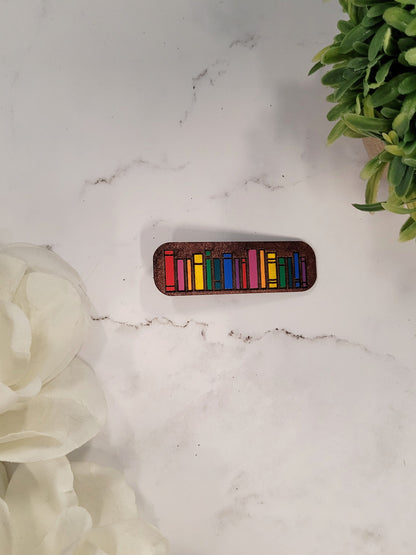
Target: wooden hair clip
{"x": 234, "y": 267}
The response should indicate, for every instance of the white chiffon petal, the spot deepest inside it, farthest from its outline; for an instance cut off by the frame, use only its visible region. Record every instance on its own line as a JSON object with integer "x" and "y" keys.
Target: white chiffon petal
{"x": 131, "y": 536}
{"x": 36, "y": 495}
{"x": 88, "y": 549}
{"x": 67, "y": 413}
{"x": 8, "y": 398}
{"x": 5, "y": 530}
{"x": 50, "y": 403}
{"x": 117, "y": 528}
{"x": 66, "y": 534}
{"x": 4, "y": 480}
{"x": 11, "y": 399}
{"x": 104, "y": 492}
{"x": 44, "y": 512}
{"x": 21, "y": 336}
{"x": 15, "y": 343}
{"x": 41, "y": 259}
{"x": 12, "y": 271}
{"x": 30, "y": 390}
{"x": 58, "y": 319}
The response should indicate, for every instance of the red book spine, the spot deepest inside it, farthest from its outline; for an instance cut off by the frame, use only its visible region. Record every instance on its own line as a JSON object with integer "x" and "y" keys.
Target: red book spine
{"x": 244, "y": 273}
{"x": 169, "y": 271}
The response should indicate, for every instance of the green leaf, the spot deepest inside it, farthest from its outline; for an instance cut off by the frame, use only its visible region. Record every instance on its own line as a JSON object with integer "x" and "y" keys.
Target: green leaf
{"x": 391, "y": 137}
{"x": 371, "y": 190}
{"x": 371, "y": 168}
{"x": 408, "y": 85}
{"x": 375, "y": 207}
{"x": 389, "y": 112}
{"x": 405, "y": 43}
{"x": 411, "y": 28}
{"x": 388, "y": 92}
{"x": 367, "y": 108}
{"x": 336, "y": 132}
{"x": 389, "y": 46}
{"x": 379, "y": 9}
{"x": 337, "y": 111}
{"x": 347, "y": 85}
{"x": 365, "y": 3}
{"x": 409, "y": 162}
{"x": 361, "y": 48}
{"x": 402, "y": 59}
{"x": 358, "y": 104}
{"x": 333, "y": 55}
{"x": 408, "y": 230}
{"x": 410, "y": 56}
{"x": 345, "y": 26}
{"x": 365, "y": 125}
{"x": 405, "y": 186}
{"x": 370, "y": 21}
{"x": 386, "y": 156}
{"x": 395, "y": 150}
{"x": 396, "y": 173}
{"x": 409, "y": 150}
{"x": 358, "y": 33}
{"x": 350, "y": 74}
{"x": 315, "y": 68}
{"x": 383, "y": 72}
{"x": 401, "y": 122}
{"x": 406, "y": 2}
{"x": 318, "y": 56}
{"x": 398, "y": 18}
{"x": 338, "y": 39}
{"x": 350, "y": 96}
{"x": 409, "y": 136}
{"x": 360, "y": 62}
{"x": 353, "y": 134}
{"x": 333, "y": 77}
{"x": 397, "y": 209}
{"x": 377, "y": 41}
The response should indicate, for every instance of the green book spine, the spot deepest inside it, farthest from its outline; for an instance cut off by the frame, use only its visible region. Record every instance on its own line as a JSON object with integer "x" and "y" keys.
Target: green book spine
{"x": 282, "y": 273}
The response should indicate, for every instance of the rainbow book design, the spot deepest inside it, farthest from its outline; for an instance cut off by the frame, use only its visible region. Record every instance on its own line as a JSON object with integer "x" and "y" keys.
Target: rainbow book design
{"x": 234, "y": 267}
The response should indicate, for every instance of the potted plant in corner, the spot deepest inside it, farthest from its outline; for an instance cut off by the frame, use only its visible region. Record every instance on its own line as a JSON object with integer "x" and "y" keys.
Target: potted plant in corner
{"x": 373, "y": 77}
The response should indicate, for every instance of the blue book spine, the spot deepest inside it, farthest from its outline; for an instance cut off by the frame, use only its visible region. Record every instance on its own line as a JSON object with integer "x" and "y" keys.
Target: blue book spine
{"x": 217, "y": 273}
{"x": 297, "y": 268}
{"x": 228, "y": 271}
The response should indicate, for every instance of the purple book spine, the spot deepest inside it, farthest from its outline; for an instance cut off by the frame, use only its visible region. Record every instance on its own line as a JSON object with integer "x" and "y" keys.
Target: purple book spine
{"x": 303, "y": 267}
{"x": 237, "y": 273}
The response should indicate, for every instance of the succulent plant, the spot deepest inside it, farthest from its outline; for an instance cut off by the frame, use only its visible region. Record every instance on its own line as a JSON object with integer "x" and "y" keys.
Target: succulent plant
{"x": 373, "y": 77}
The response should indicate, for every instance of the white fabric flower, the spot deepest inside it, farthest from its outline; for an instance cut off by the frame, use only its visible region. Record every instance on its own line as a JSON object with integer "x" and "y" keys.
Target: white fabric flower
{"x": 57, "y": 508}
{"x": 50, "y": 401}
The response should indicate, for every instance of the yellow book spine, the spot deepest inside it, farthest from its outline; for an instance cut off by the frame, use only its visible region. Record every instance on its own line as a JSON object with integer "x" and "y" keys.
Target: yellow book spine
{"x": 272, "y": 270}
{"x": 199, "y": 272}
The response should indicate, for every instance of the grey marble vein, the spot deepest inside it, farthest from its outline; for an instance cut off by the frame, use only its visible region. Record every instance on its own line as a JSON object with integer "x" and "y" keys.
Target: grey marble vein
{"x": 246, "y": 338}
{"x": 248, "y": 41}
{"x": 209, "y": 75}
{"x": 313, "y": 338}
{"x": 258, "y": 180}
{"x": 156, "y": 320}
{"x": 123, "y": 169}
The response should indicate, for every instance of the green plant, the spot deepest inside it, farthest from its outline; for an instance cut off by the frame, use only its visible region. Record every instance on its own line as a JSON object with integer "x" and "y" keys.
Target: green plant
{"x": 373, "y": 77}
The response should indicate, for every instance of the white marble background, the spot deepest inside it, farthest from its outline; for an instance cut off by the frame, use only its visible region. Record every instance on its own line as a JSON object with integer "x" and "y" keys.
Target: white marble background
{"x": 280, "y": 424}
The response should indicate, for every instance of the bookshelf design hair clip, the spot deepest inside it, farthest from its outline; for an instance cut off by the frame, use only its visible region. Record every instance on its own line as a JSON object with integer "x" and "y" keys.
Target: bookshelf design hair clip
{"x": 234, "y": 267}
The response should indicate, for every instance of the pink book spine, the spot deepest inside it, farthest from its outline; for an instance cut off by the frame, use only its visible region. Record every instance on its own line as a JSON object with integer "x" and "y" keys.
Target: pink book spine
{"x": 181, "y": 275}
{"x": 253, "y": 277}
